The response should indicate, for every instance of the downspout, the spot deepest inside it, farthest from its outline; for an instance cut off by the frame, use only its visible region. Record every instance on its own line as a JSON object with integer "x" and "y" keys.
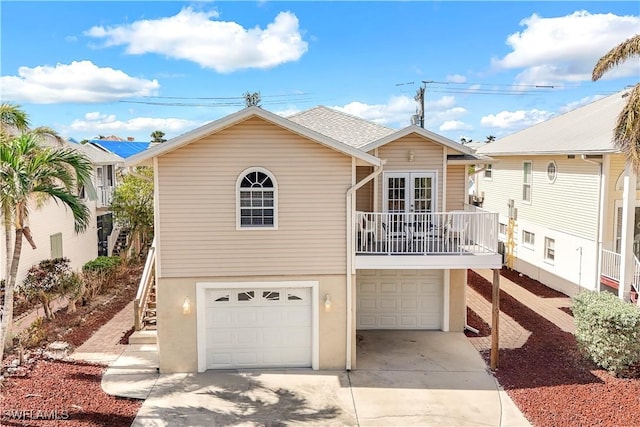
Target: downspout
{"x": 350, "y": 253}
{"x": 599, "y": 219}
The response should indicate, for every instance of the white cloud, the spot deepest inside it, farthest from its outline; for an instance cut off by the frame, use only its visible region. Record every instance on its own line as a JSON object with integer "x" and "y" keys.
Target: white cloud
{"x": 95, "y": 123}
{"x": 80, "y": 81}
{"x": 566, "y": 48}
{"x": 456, "y": 78}
{"x": 287, "y": 112}
{"x": 397, "y": 111}
{"x": 515, "y": 119}
{"x": 450, "y": 125}
{"x": 221, "y": 45}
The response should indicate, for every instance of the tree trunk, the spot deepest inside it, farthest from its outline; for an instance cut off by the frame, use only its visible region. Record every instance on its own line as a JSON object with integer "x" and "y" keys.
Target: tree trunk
{"x": 46, "y": 304}
{"x": 7, "y": 244}
{"x": 71, "y": 307}
{"x": 10, "y": 284}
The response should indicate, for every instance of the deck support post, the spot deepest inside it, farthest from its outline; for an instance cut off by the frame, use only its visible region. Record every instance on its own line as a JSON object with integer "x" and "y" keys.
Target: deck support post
{"x": 495, "y": 319}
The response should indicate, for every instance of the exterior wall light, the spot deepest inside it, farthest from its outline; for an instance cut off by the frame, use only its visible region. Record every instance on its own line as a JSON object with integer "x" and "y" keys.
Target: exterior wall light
{"x": 411, "y": 155}
{"x": 186, "y": 306}
{"x": 327, "y": 303}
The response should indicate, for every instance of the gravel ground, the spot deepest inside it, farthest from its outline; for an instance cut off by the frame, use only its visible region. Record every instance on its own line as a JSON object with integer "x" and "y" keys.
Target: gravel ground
{"x": 552, "y": 384}
{"x": 46, "y": 392}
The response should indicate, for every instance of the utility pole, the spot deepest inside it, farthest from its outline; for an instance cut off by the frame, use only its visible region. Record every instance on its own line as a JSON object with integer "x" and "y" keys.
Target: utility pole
{"x": 420, "y": 110}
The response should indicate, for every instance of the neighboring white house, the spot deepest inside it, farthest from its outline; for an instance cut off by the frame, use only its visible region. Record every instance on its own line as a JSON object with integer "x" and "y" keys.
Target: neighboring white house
{"x": 574, "y": 197}
{"x": 277, "y": 238}
{"x": 52, "y": 224}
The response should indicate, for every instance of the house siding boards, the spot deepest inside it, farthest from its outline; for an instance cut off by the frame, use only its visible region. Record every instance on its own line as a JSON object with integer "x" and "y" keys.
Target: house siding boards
{"x": 456, "y": 187}
{"x": 427, "y": 156}
{"x": 197, "y": 194}
{"x": 364, "y": 195}
{"x": 549, "y": 207}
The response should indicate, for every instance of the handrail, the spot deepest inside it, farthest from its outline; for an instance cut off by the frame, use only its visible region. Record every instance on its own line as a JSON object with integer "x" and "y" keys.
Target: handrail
{"x": 426, "y": 233}
{"x": 146, "y": 283}
{"x": 611, "y": 262}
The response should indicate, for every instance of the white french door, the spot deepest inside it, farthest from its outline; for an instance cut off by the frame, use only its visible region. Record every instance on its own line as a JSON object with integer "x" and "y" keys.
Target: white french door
{"x": 405, "y": 193}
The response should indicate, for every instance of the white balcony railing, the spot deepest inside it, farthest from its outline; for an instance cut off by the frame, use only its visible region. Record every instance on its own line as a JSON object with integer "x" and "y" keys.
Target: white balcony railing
{"x": 105, "y": 195}
{"x": 441, "y": 233}
{"x": 611, "y": 265}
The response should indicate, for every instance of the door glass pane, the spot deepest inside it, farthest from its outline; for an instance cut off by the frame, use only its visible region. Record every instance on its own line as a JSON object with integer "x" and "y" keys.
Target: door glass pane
{"x": 396, "y": 195}
{"x": 422, "y": 194}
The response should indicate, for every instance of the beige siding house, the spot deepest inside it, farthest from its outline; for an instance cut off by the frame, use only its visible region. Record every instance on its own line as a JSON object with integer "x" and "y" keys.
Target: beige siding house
{"x": 278, "y": 238}
{"x": 574, "y": 224}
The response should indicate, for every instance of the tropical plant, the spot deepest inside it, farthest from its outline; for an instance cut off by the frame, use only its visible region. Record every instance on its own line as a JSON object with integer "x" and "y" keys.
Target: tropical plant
{"x": 132, "y": 207}
{"x": 252, "y": 99}
{"x": 44, "y": 280}
{"x": 490, "y": 138}
{"x": 73, "y": 286}
{"x": 157, "y": 136}
{"x": 30, "y": 175}
{"x": 627, "y": 131}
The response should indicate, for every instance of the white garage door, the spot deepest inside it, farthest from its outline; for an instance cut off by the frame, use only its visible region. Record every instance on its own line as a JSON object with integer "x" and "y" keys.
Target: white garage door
{"x": 399, "y": 299}
{"x": 257, "y": 328}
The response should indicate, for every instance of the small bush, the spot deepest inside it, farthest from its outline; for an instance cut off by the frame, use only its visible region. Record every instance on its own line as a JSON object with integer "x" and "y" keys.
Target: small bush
{"x": 99, "y": 275}
{"x": 607, "y": 330}
{"x": 43, "y": 281}
{"x": 102, "y": 264}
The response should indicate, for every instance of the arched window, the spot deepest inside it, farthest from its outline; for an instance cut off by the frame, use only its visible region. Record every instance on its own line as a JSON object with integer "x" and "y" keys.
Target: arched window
{"x": 256, "y": 199}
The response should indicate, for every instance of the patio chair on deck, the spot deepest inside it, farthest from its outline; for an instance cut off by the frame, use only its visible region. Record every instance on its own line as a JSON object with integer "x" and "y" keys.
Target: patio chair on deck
{"x": 456, "y": 228}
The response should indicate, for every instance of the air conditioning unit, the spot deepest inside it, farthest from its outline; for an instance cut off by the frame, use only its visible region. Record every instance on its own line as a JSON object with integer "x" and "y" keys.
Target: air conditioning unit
{"x": 502, "y": 250}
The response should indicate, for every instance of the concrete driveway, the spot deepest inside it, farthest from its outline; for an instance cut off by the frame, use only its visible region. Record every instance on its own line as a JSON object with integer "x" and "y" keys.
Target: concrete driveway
{"x": 403, "y": 378}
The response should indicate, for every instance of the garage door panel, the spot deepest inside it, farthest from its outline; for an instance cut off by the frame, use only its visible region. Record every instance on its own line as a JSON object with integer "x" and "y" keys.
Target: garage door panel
{"x": 399, "y": 299}
{"x": 254, "y": 328}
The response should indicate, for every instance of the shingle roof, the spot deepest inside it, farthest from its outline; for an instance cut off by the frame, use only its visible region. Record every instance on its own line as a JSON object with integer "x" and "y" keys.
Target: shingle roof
{"x": 340, "y": 126}
{"x": 97, "y": 155}
{"x": 123, "y": 149}
{"x": 588, "y": 129}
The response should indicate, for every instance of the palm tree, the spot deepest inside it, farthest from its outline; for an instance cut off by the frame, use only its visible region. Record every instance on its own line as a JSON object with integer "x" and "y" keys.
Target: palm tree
{"x": 490, "y": 138}
{"x": 12, "y": 118}
{"x": 30, "y": 175}
{"x": 627, "y": 131}
{"x": 157, "y": 137}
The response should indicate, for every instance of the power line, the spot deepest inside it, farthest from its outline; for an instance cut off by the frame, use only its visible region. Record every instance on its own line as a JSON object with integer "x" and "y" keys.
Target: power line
{"x": 223, "y": 97}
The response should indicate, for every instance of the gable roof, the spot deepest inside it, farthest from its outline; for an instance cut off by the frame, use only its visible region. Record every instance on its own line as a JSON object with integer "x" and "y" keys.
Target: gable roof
{"x": 123, "y": 149}
{"x": 240, "y": 116}
{"x": 420, "y": 131}
{"x": 97, "y": 155}
{"x": 585, "y": 130}
{"x": 343, "y": 127}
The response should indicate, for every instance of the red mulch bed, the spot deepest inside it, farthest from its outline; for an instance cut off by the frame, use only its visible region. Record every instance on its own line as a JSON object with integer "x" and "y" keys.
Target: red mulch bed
{"x": 55, "y": 392}
{"x": 475, "y": 321}
{"x": 567, "y": 310}
{"x": 532, "y": 285}
{"x": 552, "y": 384}
{"x": 63, "y": 393}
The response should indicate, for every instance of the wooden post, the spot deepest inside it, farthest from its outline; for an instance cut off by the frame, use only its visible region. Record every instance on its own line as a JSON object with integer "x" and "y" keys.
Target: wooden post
{"x": 495, "y": 319}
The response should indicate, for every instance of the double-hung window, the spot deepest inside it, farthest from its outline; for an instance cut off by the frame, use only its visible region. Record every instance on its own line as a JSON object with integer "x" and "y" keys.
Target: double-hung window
{"x": 257, "y": 199}
{"x": 488, "y": 172}
{"x": 549, "y": 250}
{"x": 528, "y": 239}
{"x": 526, "y": 181}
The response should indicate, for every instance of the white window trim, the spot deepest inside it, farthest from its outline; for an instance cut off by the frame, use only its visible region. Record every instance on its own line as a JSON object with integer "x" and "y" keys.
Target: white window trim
{"x": 528, "y": 202}
{"x": 526, "y": 244}
{"x": 546, "y": 247}
{"x": 275, "y": 200}
{"x": 488, "y": 168}
{"x": 555, "y": 175}
{"x": 501, "y": 234}
{"x": 201, "y": 313}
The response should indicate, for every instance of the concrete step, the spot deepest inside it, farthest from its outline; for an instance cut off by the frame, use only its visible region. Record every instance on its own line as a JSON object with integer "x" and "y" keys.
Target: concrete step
{"x": 144, "y": 337}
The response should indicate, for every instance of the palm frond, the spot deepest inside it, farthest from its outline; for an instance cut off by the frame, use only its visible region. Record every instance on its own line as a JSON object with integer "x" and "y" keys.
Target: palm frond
{"x": 12, "y": 115}
{"x": 627, "y": 130}
{"x": 616, "y": 56}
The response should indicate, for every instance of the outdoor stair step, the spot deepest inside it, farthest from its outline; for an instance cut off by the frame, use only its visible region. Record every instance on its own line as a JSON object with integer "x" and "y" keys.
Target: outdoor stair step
{"x": 144, "y": 337}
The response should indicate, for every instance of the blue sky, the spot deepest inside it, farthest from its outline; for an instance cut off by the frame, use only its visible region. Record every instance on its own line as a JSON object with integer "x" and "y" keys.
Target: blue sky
{"x": 103, "y": 68}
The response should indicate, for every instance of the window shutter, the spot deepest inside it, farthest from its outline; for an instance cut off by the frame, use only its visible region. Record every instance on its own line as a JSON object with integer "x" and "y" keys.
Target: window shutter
{"x": 56, "y": 245}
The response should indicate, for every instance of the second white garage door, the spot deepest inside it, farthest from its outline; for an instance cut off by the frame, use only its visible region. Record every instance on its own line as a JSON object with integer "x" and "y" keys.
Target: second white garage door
{"x": 258, "y": 328}
{"x": 399, "y": 299}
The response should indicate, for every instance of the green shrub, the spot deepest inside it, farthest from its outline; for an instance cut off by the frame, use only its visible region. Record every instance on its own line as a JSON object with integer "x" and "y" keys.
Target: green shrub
{"x": 99, "y": 274}
{"x": 607, "y": 330}
{"x": 102, "y": 264}
{"x": 43, "y": 281}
